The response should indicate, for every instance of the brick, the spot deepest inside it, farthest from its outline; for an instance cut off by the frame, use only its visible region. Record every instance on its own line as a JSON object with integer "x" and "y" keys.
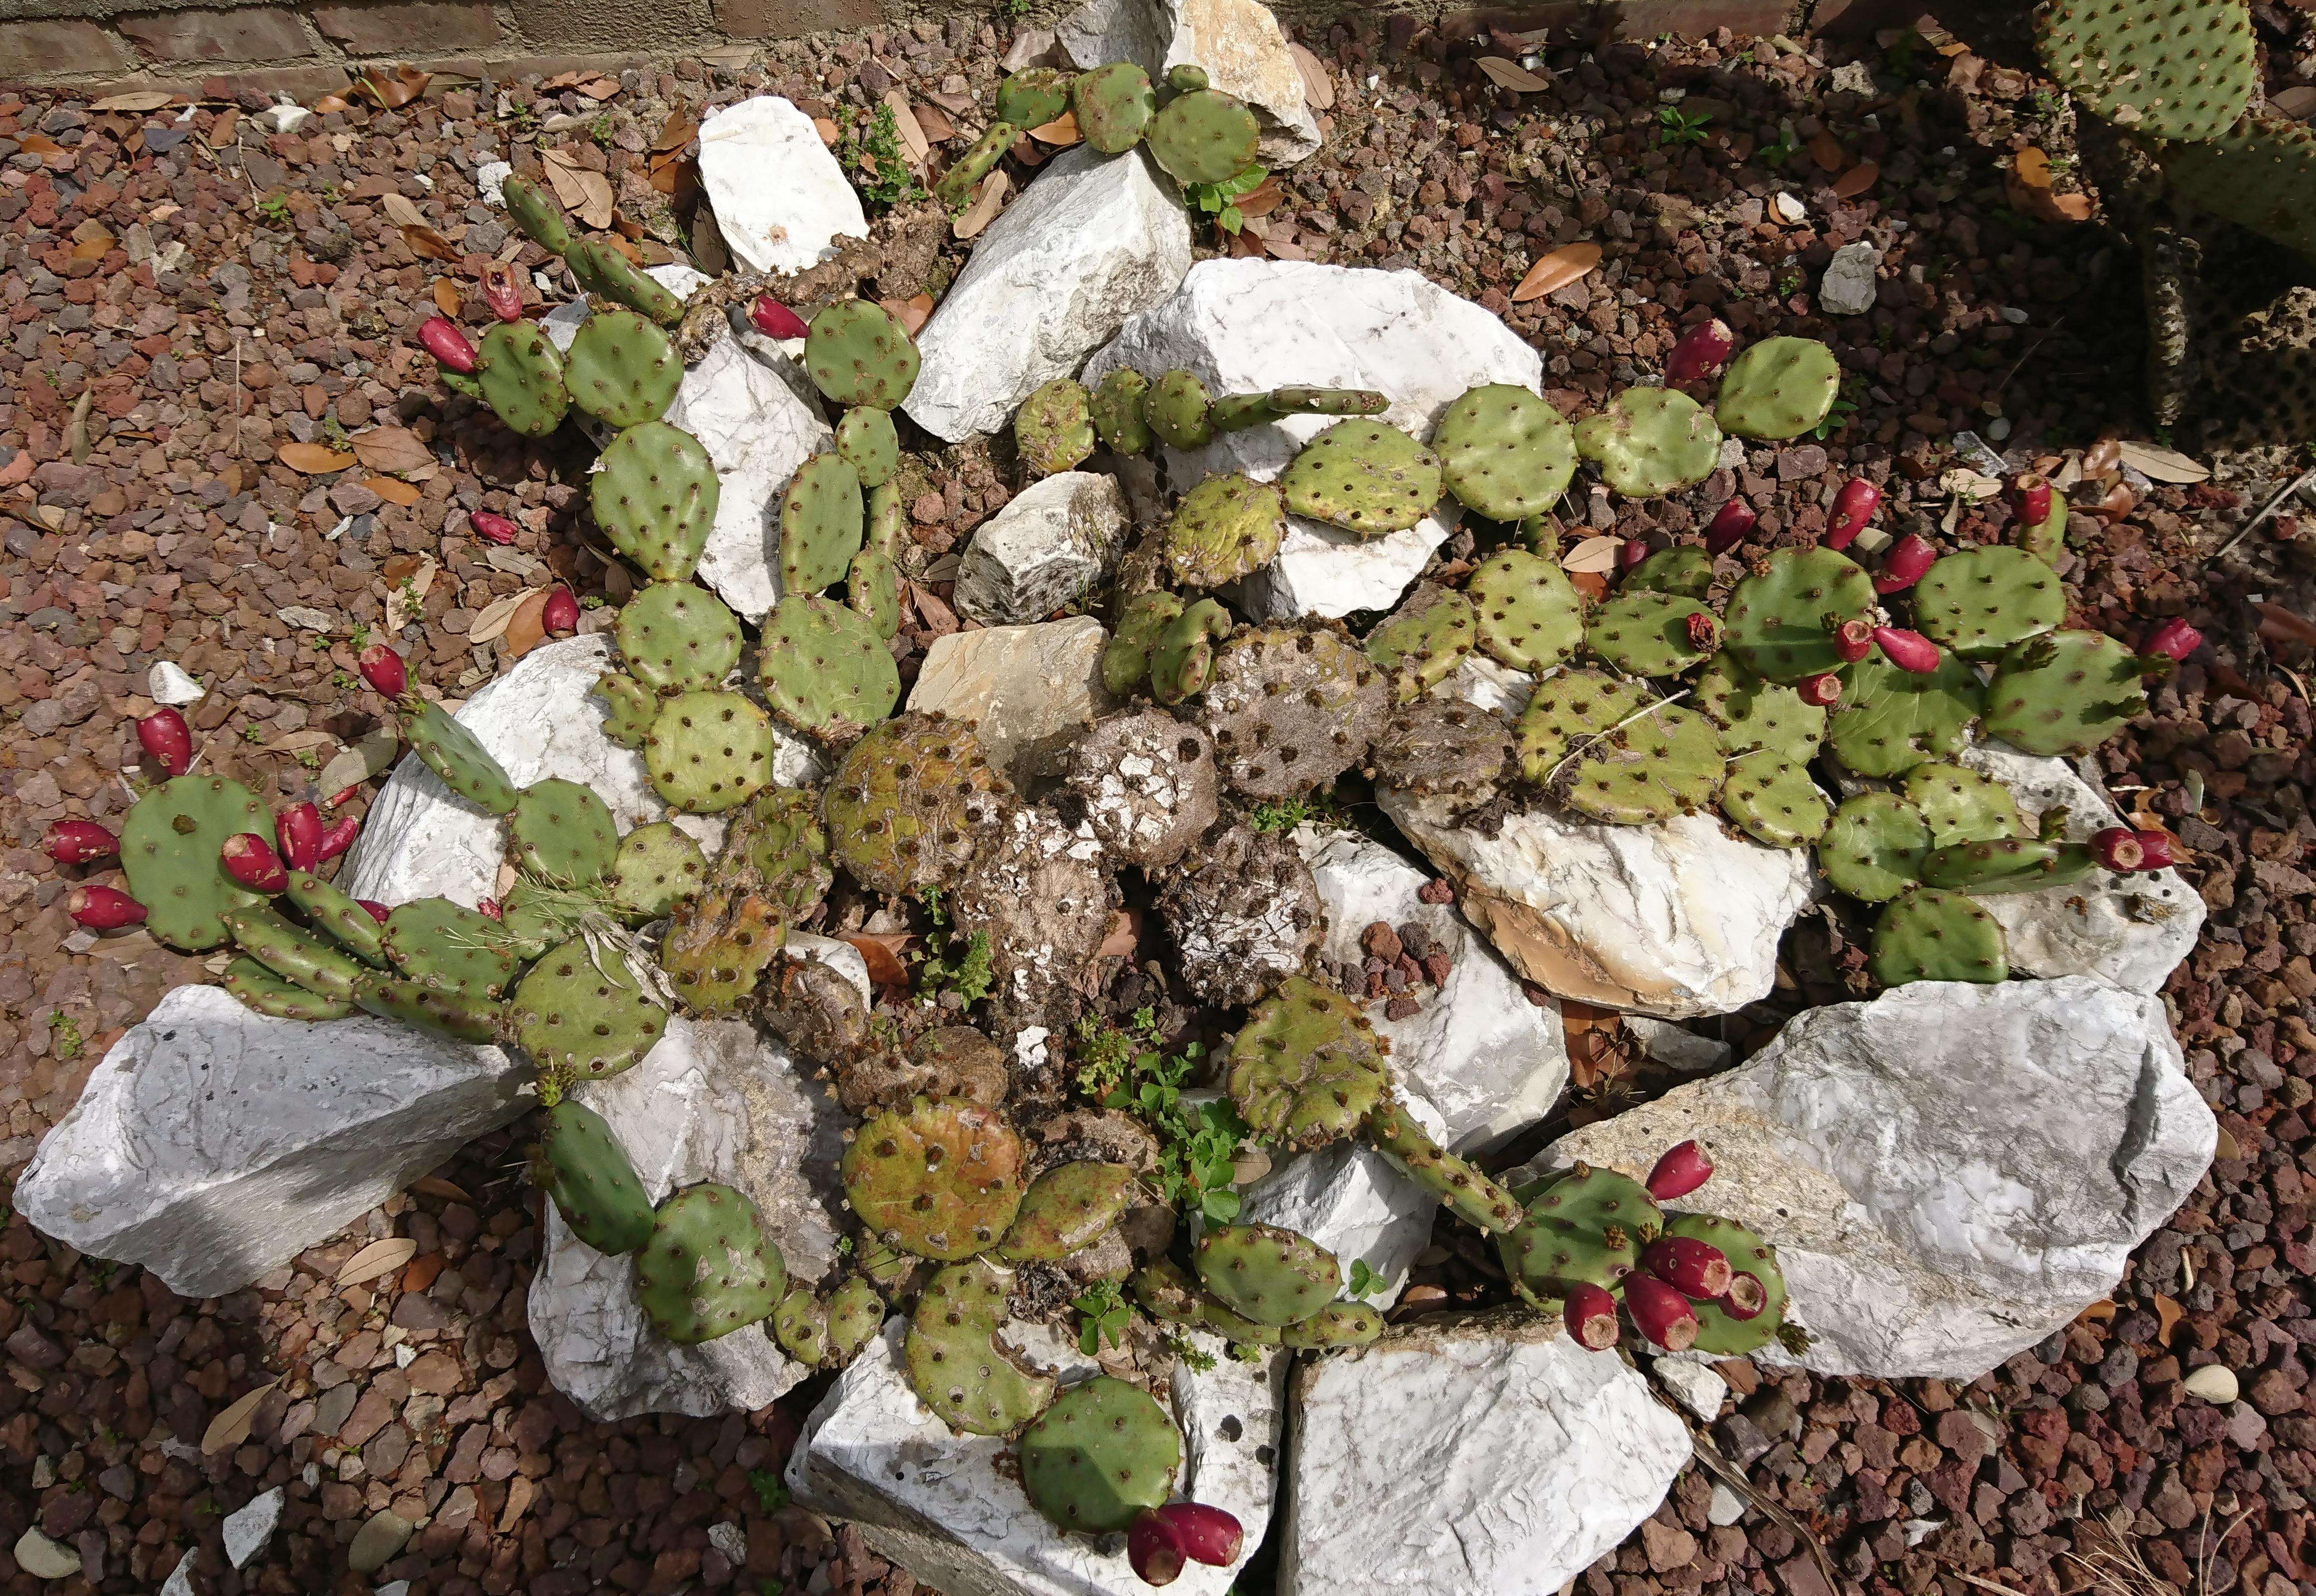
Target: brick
{"x": 611, "y": 24}
{"x": 783, "y": 19}
{"x": 259, "y": 33}
{"x": 32, "y": 49}
{"x": 423, "y": 28}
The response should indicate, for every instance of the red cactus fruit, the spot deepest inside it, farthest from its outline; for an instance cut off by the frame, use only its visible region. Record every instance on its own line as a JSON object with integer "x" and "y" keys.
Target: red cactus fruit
{"x": 775, "y": 320}
{"x": 1732, "y": 524}
{"x": 488, "y": 906}
{"x": 1853, "y": 506}
{"x": 1745, "y": 1298}
{"x": 77, "y": 842}
{"x": 1702, "y": 350}
{"x": 1661, "y": 1313}
{"x": 560, "y": 613}
{"x": 2175, "y": 639}
{"x": 1853, "y": 640}
{"x": 1703, "y": 631}
{"x": 164, "y": 735}
{"x": 1631, "y": 553}
{"x": 1590, "y": 1314}
{"x": 497, "y": 528}
{"x": 251, "y": 860}
{"x": 1904, "y": 564}
{"x": 383, "y": 669}
{"x": 2155, "y": 848}
{"x": 1907, "y": 651}
{"x": 1823, "y": 691}
{"x": 297, "y": 832}
{"x": 2118, "y": 848}
{"x": 446, "y": 343}
{"x": 1695, "y": 1269}
{"x": 338, "y": 838}
{"x": 1680, "y": 1172}
{"x": 102, "y": 909}
{"x": 1152, "y": 1549}
{"x": 502, "y": 291}
{"x": 1207, "y": 1534}
{"x": 376, "y": 910}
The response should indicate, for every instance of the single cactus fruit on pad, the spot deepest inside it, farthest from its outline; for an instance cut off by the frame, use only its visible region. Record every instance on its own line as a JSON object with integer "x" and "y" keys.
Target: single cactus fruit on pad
{"x": 1226, "y": 527}
{"x": 520, "y": 378}
{"x": 1981, "y": 600}
{"x": 1723, "y": 1330}
{"x": 1504, "y": 452}
{"x": 1928, "y": 935}
{"x": 709, "y": 1268}
{"x": 2160, "y": 68}
{"x": 1307, "y": 1066}
{"x": 1114, "y": 104}
{"x": 1583, "y": 1227}
{"x": 580, "y": 1015}
{"x": 1053, "y": 428}
{"x": 1065, "y": 1209}
{"x": 824, "y": 670}
{"x": 1890, "y": 720}
{"x": 581, "y": 1166}
{"x": 859, "y": 354}
{"x": 457, "y": 757}
{"x": 1780, "y": 387}
{"x": 2063, "y": 693}
{"x": 1290, "y": 707}
{"x": 169, "y": 850}
{"x": 957, "y": 1365}
{"x": 709, "y": 750}
{"x": 1773, "y": 800}
{"x": 940, "y": 1176}
{"x": 449, "y": 948}
{"x": 1528, "y": 613}
{"x": 1776, "y": 624}
{"x": 1644, "y": 634}
{"x": 1099, "y": 1456}
{"x": 1364, "y": 476}
{"x": 821, "y": 521}
{"x": 673, "y": 635}
{"x": 1650, "y": 441}
{"x": 1874, "y": 846}
{"x": 655, "y": 494}
{"x": 1269, "y": 1275}
{"x": 621, "y": 369}
{"x": 911, "y": 803}
{"x": 1203, "y": 136}
{"x": 562, "y": 833}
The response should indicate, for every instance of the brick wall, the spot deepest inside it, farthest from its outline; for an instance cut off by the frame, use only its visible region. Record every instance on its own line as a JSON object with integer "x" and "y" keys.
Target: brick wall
{"x": 306, "y": 49}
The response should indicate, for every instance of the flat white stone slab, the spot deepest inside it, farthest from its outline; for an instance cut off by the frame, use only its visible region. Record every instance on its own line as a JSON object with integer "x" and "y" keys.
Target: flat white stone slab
{"x": 780, "y": 200}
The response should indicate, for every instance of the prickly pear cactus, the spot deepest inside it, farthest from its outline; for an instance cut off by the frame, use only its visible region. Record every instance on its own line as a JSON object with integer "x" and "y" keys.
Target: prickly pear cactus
{"x": 1066, "y": 1208}
{"x": 1126, "y": 658}
{"x": 580, "y": 1014}
{"x": 621, "y": 369}
{"x": 719, "y": 942}
{"x": 1890, "y": 721}
{"x": 454, "y": 1016}
{"x": 1773, "y": 800}
{"x": 1178, "y": 409}
{"x": 1504, "y": 452}
{"x": 1114, "y": 104}
{"x": 259, "y": 988}
{"x": 1683, "y": 570}
{"x": 446, "y": 947}
{"x": 583, "y": 1167}
{"x": 865, "y": 436}
{"x": 1103, "y": 1454}
{"x": 654, "y": 493}
{"x": 2260, "y": 173}
{"x": 1530, "y": 615}
{"x": 957, "y": 185}
{"x": 534, "y": 916}
{"x": 709, "y": 1268}
{"x": 675, "y": 636}
{"x": 1226, "y": 527}
{"x": 872, "y": 590}
{"x": 2063, "y": 693}
{"x": 602, "y": 269}
{"x": 784, "y": 844}
{"x": 1650, "y": 441}
{"x": 957, "y": 1365}
{"x": 1719, "y": 1332}
{"x": 940, "y": 1177}
{"x": 1961, "y": 805}
{"x": 1981, "y": 600}
{"x": 824, "y": 670}
{"x": 1567, "y": 712}
{"x": 456, "y": 756}
{"x": 1583, "y": 1227}
{"x": 800, "y": 1326}
{"x": 1054, "y": 429}
{"x": 1115, "y": 408}
{"x": 1307, "y": 1066}
{"x": 520, "y": 378}
{"x": 169, "y": 849}
{"x": 1364, "y": 476}
{"x": 1436, "y": 745}
{"x": 1203, "y": 136}
{"x": 855, "y": 1313}
{"x": 294, "y": 954}
{"x": 1665, "y": 762}
{"x": 821, "y": 521}
{"x": 1034, "y": 96}
{"x": 656, "y": 868}
{"x": 535, "y": 211}
{"x": 344, "y": 921}
{"x": 1337, "y": 1324}
{"x": 1753, "y": 713}
{"x": 1182, "y": 653}
{"x": 709, "y": 750}
{"x": 1928, "y": 935}
{"x": 562, "y": 833}
{"x": 1645, "y": 633}
{"x": 1420, "y": 644}
{"x": 2160, "y": 68}
{"x": 1267, "y": 1275}
{"x": 859, "y": 354}
{"x": 1468, "y": 1193}
{"x": 1873, "y": 846}
{"x": 1290, "y": 707}
{"x": 1779, "y": 387}
{"x": 885, "y": 522}
{"x": 629, "y": 708}
{"x": 911, "y": 803}
{"x": 2009, "y": 865}
{"x": 1776, "y": 625}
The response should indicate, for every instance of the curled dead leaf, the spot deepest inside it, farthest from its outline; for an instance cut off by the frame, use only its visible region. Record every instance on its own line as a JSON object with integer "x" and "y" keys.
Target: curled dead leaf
{"x": 312, "y": 459}
{"x": 1556, "y": 270}
{"x": 675, "y": 133}
{"x": 1595, "y": 555}
{"x": 525, "y": 630}
{"x": 230, "y": 1428}
{"x": 827, "y": 130}
{"x": 428, "y": 243}
{"x": 391, "y": 448}
{"x": 1826, "y": 150}
{"x": 1512, "y": 76}
{"x": 1856, "y": 181}
{"x": 446, "y": 297}
{"x": 2161, "y": 464}
{"x": 881, "y": 951}
{"x": 2167, "y": 1314}
{"x": 987, "y": 200}
{"x": 1061, "y": 132}
{"x": 2279, "y": 624}
{"x": 494, "y": 617}
{"x": 1318, "y": 84}
{"x": 2032, "y": 167}
{"x": 380, "y": 1257}
{"x": 393, "y": 490}
{"x": 401, "y": 210}
{"x": 391, "y": 88}
{"x": 434, "y": 1185}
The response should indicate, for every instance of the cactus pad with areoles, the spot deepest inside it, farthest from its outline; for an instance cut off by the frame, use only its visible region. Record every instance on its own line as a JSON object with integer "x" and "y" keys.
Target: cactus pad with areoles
{"x": 1066, "y": 1208}
{"x": 1420, "y": 644}
{"x": 821, "y": 521}
{"x": 1684, "y": 569}
{"x": 1529, "y": 614}
{"x": 1114, "y": 104}
{"x": 448, "y": 947}
{"x": 600, "y": 269}
{"x": 858, "y": 353}
{"x": 937, "y": 1177}
{"x": 1115, "y": 408}
{"x": 1874, "y": 846}
{"x": 1239, "y": 411}
{"x": 709, "y": 750}
{"x": 520, "y": 378}
{"x": 709, "y": 1268}
{"x": 1773, "y": 800}
{"x": 855, "y": 1313}
{"x": 344, "y": 921}
{"x": 872, "y": 590}
{"x": 294, "y": 954}
{"x": 1779, "y": 387}
{"x": 1337, "y": 1324}
{"x": 1033, "y": 96}
{"x": 629, "y": 708}
{"x": 1961, "y": 805}
{"x": 956, "y": 1364}
{"x": 580, "y": 1165}
{"x": 1226, "y": 527}
{"x": 1665, "y": 762}
{"x": 1504, "y": 452}
{"x": 2260, "y": 173}
{"x": 2169, "y": 69}
{"x": 580, "y": 1015}
{"x": 1775, "y": 621}
{"x": 1365, "y": 476}
{"x": 800, "y": 1326}
{"x": 266, "y": 993}
{"x": 1054, "y": 429}
{"x": 1650, "y": 441}
{"x": 719, "y": 942}
{"x": 1643, "y": 633}
{"x": 656, "y": 868}
{"x": 1585, "y": 1226}
{"x": 783, "y": 841}
{"x": 673, "y": 635}
{"x": 2063, "y": 693}
{"x": 169, "y": 849}
{"x": 1292, "y": 706}
{"x": 1101, "y": 1455}
{"x": 824, "y": 670}
{"x": 1719, "y": 1332}
{"x": 454, "y": 1016}
{"x": 1178, "y": 409}
{"x": 1466, "y": 1192}
{"x": 1890, "y": 720}
{"x": 911, "y": 803}
{"x": 1436, "y": 745}
{"x": 1566, "y": 711}
{"x": 1269, "y": 1275}
{"x": 1125, "y": 658}
{"x": 1182, "y": 652}
{"x": 981, "y": 157}
{"x": 865, "y": 435}
{"x": 1928, "y": 935}
{"x": 562, "y": 833}
{"x": 621, "y": 369}
{"x": 1203, "y": 136}
{"x": 1753, "y": 713}
{"x": 1307, "y": 1066}
{"x": 457, "y": 757}
{"x": 655, "y": 494}
{"x": 2006, "y": 865}
{"x": 1981, "y": 600}
{"x": 535, "y": 211}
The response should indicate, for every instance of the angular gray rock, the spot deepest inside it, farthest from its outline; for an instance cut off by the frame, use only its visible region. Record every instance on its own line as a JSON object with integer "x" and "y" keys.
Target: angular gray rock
{"x": 214, "y": 1143}
{"x": 1319, "y": 571}
{"x": 1949, "y": 1173}
{"x": 1353, "y": 1201}
{"x": 1488, "y": 1456}
{"x": 1478, "y": 1051}
{"x": 780, "y": 200}
{"x": 1093, "y": 240}
{"x": 1052, "y": 543}
{"x": 249, "y": 1527}
{"x": 1238, "y": 42}
{"x": 713, "y": 1100}
{"x": 1032, "y": 688}
{"x": 1847, "y": 288}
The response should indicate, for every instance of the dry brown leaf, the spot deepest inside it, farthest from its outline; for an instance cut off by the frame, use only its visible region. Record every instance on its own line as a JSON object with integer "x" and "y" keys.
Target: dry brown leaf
{"x": 1594, "y": 554}
{"x": 1061, "y": 132}
{"x": 1512, "y": 76}
{"x": 2163, "y": 465}
{"x": 675, "y": 133}
{"x": 2167, "y": 1314}
{"x": 380, "y": 1257}
{"x": 392, "y": 490}
{"x": 881, "y": 952}
{"x": 600, "y": 88}
{"x": 587, "y": 194}
{"x": 427, "y": 242}
{"x": 135, "y": 99}
{"x": 391, "y": 448}
{"x": 1123, "y": 935}
{"x": 392, "y": 89}
{"x": 934, "y": 123}
{"x": 2032, "y": 167}
{"x": 230, "y": 1428}
{"x": 1856, "y": 181}
{"x": 1318, "y": 83}
{"x": 1826, "y": 150}
{"x": 940, "y": 619}
{"x": 2296, "y": 102}
{"x": 2227, "y": 1148}
{"x": 493, "y": 618}
{"x": 312, "y": 458}
{"x": 446, "y": 297}
{"x": 1262, "y": 201}
{"x": 2279, "y": 624}
{"x": 827, "y": 129}
{"x": 1556, "y": 270}
{"x": 1284, "y": 249}
{"x": 434, "y": 1185}
{"x": 987, "y": 200}
{"x": 2098, "y": 1313}
{"x": 525, "y": 631}
{"x": 912, "y": 313}
{"x": 328, "y": 104}
{"x": 904, "y": 123}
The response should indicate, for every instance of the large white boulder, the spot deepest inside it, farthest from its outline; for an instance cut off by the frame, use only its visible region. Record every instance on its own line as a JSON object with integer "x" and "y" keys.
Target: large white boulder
{"x": 1032, "y": 690}
{"x": 1677, "y": 919}
{"x": 1094, "y": 239}
{"x": 1238, "y": 42}
{"x": 1355, "y": 1202}
{"x": 214, "y": 1143}
{"x": 780, "y": 200}
{"x": 950, "y": 1509}
{"x": 1487, "y": 1058}
{"x": 713, "y": 1100}
{"x": 1052, "y": 545}
{"x": 1489, "y": 1455}
{"x": 1321, "y": 570}
{"x": 2129, "y": 929}
{"x": 1948, "y": 1173}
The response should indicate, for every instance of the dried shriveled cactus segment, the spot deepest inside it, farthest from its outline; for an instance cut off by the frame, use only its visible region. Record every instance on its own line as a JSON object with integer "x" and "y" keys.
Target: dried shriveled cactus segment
{"x": 719, "y": 942}
{"x": 781, "y": 838}
{"x": 1148, "y": 785}
{"x": 1439, "y": 745}
{"x": 1244, "y": 910}
{"x": 169, "y": 850}
{"x": 1504, "y": 451}
{"x": 673, "y": 636}
{"x": 708, "y": 751}
{"x": 580, "y": 1015}
{"x": 582, "y": 1166}
{"x": 941, "y": 1177}
{"x": 1781, "y": 617}
{"x": 824, "y": 670}
{"x": 1225, "y": 527}
{"x": 1307, "y": 1067}
{"x": 1928, "y": 935}
{"x": 911, "y": 803}
{"x": 1582, "y": 1227}
{"x": 2063, "y": 693}
{"x": 655, "y": 494}
{"x": 709, "y": 1268}
{"x": 1650, "y": 441}
{"x": 1529, "y": 614}
{"x": 2163, "y": 68}
{"x": 957, "y": 1365}
{"x": 1290, "y": 707}
{"x": 1780, "y": 387}
{"x": 1890, "y": 720}
{"x": 1874, "y": 846}
{"x": 1182, "y": 651}
{"x": 1365, "y": 476}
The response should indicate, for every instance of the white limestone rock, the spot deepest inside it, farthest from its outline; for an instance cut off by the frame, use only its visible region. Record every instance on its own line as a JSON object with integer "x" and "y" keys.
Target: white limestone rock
{"x": 1675, "y": 919}
{"x": 950, "y": 1508}
{"x": 1095, "y": 239}
{"x": 1489, "y": 1455}
{"x": 214, "y": 1143}
{"x": 713, "y": 1100}
{"x": 1321, "y": 570}
{"x": 1948, "y": 1173}
{"x": 1238, "y": 42}
{"x": 780, "y": 200}
{"x": 1480, "y": 681}
{"x": 1353, "y": 1201}
{"x": 249, "y": 1527}
{"x": 1032, "y": 688}
{"x": 1052, "y": 543}
{"x": 168, "y": 683}
{"x": 2132, "y": 930}
{"x": 1487, "y": 1058}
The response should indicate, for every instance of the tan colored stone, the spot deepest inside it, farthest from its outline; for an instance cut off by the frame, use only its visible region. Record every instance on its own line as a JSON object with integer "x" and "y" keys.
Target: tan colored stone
{"x": 1032, "y": 689}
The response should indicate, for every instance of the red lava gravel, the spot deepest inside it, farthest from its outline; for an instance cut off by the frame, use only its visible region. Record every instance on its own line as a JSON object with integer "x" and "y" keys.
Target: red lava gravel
{"x": 204, "y": 320}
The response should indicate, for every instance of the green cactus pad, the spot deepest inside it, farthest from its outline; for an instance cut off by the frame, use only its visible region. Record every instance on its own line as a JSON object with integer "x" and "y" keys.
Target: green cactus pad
{"x": 1928, "y": 935}
{"x": 2009, "y": 865}
{"x": 1203, "y": 136}
{"x": 1753, "y": 713}
{"x": 1337, "y": 1324}
{"x": 2158, "y": 68}
{"x": 449, "y": 948}
{"x": 1291, "y": 706}
{"x": 1980, "y": 601}
{"x": 957, "y": 185}
{"x": 629, "y": 708}
{"x": 859, "y": 354}
{"x": 1504, "y": 452}
{"x": 709, "y": 1268}
{"x": 1101, "y": 1455}
{"x": 1269, "y": 1275}
{"x": 784, "y": 843}
{"x": 1182, "y": 655}
{"x": 2260, "y": 173}
{"x": 580, "y": 1016}
{"x": 824, "y": 670}
{"x": 1961, "y": 805}
{"x": 1178, "y": 411}
{"x": 655, "y": 494}
{"x": 1033, "y": 97}
{"x": 1307, "y": 1066}
{"x": 2063, "y": 693}
{"x": 656, "y": 868}
{"x": 885, "y": 521}
{"x": 1125, "y": 658}
{"x": 454, "y": 1016}
{"x": 855, "y": 1313}
{"x": 865, "y": 436}
{"x": 170, "y": 851}
{"x": 1645, "y": 633}
{"x": 800, "y": 1326}
{"x": 1236, "y": 1328}
{"x": 520, "y": 378}
{"x": 1114, "y": 104}
{"x": 1115, "y": 409}
{"x": 1773, "y": 800}
{"x": 1683, "y": 568}
{"x": 337, "y": 917}
{"x": 1874, "y": 846}
{"x": 821, "y": 521}
{"x": 1649, "y": 441}
{"x": 911, "y": 804}
{"x": 1066, "y": 1208}
{"x": 1719, "y": 1334}
{"x": 673, "y": 635}
{"x": 621, "y": 369}
{"x": 1530, "y": 615}
{"x": 534, "y": 916}
{"x": 1468, "y": 1193}
{"x": 599, "y": 269}
{"x": 1667, "y": 762}
{"x": 583, "y": 1167}
{"x": 293, "y": 953}
{"x": 1585, "y": 1226}
{"x": 872, "y": 590}
{"x": 957, "y": 1365}
{"x": 562, "y": 833}
{"x": 940, "y": 1176}
{"x": 1165, "y": 1292}
{"x": 259, "y": 988}
{"x": 709, "y": 750}
{"x": 719, "y": 942}
{"x": 1054, "y": 429}
{"x": 1225, "y": 527}
{"x": 1890, "y": 721}
{"x": 457, "y": 757}
{"x": 535, "y": 211}
{"x": 1780, "y": 387}
{"x": 1566, "y": 711}
{"x": 1775, "y": 620}
{"x": 1365, "y": 476}
{"x": 1421, "y": 643}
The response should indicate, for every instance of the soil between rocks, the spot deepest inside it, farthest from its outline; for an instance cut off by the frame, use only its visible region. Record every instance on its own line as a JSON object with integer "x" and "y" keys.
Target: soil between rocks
{"x": 187, "y": 295}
